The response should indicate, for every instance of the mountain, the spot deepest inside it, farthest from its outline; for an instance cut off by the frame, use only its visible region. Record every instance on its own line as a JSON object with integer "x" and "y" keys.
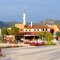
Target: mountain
{"x": 12, "y": 23}
{"x": 44, "y": 22}
{"x": 48, "y": 21}
{"x": 7, "y": 24}
{"x": 2, "y": 24}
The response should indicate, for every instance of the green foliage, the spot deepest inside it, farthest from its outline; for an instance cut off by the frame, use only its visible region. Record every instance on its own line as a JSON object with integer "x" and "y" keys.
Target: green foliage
{"x": 15, "y": 30}
{"x": 10, "y": 31}
{"x": 40, "y": 36}
{"x": 48, "y": 37}
{"x": 4, "y": 31}
{"x": 0, "y": 33}
{"x": 57, "y": 33}
{"x": 0, "y": 36}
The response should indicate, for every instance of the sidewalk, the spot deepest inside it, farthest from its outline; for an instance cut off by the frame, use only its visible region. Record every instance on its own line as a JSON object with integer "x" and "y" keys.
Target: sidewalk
{"x": 19, "y": 44}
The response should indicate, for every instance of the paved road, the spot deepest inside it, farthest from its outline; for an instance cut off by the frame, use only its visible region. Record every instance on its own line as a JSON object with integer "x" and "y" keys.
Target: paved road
{"x": 32, "y": 53}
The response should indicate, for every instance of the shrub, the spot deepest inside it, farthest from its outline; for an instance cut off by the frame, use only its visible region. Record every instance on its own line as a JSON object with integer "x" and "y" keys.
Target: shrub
{"x": 37, "y": 43}
{"x": 26, "y": 42}
{"x": 32, "y": 43}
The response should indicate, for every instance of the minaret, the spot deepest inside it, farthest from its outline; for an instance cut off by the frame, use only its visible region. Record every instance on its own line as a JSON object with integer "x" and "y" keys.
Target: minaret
{"x": 24, "y": 17}
{"x": 31, "y": 23}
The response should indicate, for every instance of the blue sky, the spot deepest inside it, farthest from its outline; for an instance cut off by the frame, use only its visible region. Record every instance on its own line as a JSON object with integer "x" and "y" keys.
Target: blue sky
{"x": 36, "y": 10}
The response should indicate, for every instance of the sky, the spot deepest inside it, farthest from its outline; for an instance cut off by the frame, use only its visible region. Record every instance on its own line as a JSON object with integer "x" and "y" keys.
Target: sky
{"x": 36, "y": 10}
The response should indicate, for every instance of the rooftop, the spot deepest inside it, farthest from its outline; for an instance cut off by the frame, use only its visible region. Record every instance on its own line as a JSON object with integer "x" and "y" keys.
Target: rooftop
{"x": 35, "y": 26}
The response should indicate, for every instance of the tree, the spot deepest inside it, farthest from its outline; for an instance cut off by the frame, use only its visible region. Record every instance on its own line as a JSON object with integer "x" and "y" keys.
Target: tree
{"x": 12, "y": 30}
{"x": 48, "y": 37}
{"x": 57, "y": 33}
{"x": 0, "y": 36}
{"x": 4, "y": 31}
{"x": 40, "y": 36}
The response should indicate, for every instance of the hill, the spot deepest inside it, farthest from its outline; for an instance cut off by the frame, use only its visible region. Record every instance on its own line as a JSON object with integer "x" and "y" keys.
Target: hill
{"x": 44, "y": 22}
{"x": 48, "y": 21}
{"x": 7, "y": 24}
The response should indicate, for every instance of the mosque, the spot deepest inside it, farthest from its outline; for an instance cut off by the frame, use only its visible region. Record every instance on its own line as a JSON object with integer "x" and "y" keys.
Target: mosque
{"x": 31, "y": 31}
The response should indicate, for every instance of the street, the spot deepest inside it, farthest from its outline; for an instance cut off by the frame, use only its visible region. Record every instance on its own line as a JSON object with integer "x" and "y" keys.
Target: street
{"x": 32, "y": 53}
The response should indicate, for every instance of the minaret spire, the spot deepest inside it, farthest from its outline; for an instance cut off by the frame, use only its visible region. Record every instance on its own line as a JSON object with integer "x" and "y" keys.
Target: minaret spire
{"x": 31, "y": 24}
{"x": 24, "y": 17}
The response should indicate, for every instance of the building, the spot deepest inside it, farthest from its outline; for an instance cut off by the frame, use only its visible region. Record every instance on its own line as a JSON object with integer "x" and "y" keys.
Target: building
{"x": 32, "y": 31}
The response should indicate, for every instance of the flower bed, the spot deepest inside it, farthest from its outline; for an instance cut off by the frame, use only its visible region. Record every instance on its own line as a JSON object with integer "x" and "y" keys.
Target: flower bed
{"x": 32, "y": 44}
{"x": 37, "y": 43}
{"x": 26, "y": 42}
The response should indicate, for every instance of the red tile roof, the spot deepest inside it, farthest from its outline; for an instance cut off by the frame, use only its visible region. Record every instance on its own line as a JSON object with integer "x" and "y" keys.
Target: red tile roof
{"x": 39, "y": 26}
{"x": 34, "y": 27}
{"x": 58, "y": 26}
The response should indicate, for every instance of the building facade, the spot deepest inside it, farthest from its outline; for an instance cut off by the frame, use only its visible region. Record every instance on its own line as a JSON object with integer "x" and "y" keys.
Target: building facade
{"x": 33, "y": 30}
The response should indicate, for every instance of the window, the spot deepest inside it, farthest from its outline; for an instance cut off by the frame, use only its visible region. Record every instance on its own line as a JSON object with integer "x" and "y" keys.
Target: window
{"x": 43, "y": 29}
{"x": 29, "y": 30}
{"x": 26, "y": 30}
{"x": 46, "y": 29}
{"x": 20, "y": 29}
{"x": 38, "y": 29}
{"x": 34, "y": 29}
